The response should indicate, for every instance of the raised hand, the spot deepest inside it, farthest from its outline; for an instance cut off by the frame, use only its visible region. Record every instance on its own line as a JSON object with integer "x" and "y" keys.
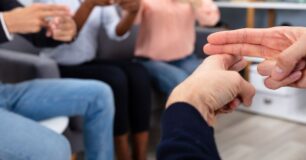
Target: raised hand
{"x": 131, "y": 6}
{"x": 81, "y": 15}
{"x": 285, "y": 45}
{"x": 213, "y": 89}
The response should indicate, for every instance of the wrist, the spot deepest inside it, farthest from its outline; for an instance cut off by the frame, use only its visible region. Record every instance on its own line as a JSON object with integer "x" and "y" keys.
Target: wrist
{"x": 9, "y": 22}
{"x": 133, "y": 12}
{"x": 89, "y": 4}
{"x": 198, "y": 101}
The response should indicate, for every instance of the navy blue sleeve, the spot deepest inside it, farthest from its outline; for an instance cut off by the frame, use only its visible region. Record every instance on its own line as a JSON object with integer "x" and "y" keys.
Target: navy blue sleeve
{"x": 186, "y": 135}
{"x": 6, "y": 5}
{"x": 3, "y": 37}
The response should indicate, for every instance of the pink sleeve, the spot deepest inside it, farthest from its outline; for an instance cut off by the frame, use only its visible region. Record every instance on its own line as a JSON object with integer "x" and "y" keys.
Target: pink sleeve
{"x": 207, "y": 13}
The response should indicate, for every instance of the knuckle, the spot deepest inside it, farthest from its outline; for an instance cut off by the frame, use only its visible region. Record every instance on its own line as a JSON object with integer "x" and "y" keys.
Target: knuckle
{"x": 36, "y": 29}
{"x": 244, "y": 35}
{"x": 236, "y": 78}
{"x": 36, "y": 23}
{"x": 285, "y": 61}
{"x": 261, "y": 69}
{"x": 271, "y": 84}
{"x": 301, "y": 84}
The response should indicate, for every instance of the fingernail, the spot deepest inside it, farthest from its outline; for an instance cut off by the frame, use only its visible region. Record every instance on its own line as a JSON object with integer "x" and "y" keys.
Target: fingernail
{"x": 278, "y": 70}
{"x": 296, "y": 75}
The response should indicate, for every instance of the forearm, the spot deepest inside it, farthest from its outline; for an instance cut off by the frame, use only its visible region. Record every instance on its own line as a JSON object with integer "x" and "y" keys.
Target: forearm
{"x": 126, "y": 23}
{"x": 83, "y": 13}
{"x": 186, "y": 135}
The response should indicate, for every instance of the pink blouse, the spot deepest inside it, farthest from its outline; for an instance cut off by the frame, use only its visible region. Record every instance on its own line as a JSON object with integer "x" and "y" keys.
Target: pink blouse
{"x": 167, "y": 27}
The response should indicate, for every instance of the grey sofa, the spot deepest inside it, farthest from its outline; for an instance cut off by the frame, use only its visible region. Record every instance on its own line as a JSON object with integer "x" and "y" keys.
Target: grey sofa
{"x": 19, "y": 61}
{"x": 16, "y": 64}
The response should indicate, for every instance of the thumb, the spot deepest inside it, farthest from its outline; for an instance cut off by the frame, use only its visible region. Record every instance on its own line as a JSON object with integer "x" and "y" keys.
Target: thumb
{"x": 246, "y": 92}
{"x": 221, "y": 61}
{"x": 288, "y": 59}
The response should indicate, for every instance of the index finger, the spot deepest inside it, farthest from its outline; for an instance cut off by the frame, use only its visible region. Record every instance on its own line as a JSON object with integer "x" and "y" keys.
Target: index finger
{"x": 222, "y": 61}
{"x": 52, "y": 10}
{"x": 246, "y": 35}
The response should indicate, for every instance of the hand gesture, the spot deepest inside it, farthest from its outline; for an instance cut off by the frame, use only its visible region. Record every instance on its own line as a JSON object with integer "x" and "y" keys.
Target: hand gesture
{"x": 283, "y": 47}
{"x": 33, "y": 18}
{"x": 213, "y": 88}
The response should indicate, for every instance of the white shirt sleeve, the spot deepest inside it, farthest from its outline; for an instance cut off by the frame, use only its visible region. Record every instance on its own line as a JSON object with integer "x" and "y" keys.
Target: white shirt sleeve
{"x": 110, "y": 20}
{"x": 7, "y": 34}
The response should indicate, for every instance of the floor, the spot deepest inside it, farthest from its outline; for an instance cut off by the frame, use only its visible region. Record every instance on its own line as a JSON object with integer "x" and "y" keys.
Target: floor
{"x": 245, "y": 136}
{"x": 252, "y": 137}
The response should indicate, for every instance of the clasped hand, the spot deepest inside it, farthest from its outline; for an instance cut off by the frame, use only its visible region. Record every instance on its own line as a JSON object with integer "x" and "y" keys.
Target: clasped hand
{"x": 56, "y": 19}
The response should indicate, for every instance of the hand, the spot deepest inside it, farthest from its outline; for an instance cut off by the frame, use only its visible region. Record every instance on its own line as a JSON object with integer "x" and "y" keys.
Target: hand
{"x": 131, "y": 6}
{"x": 296, "y": 79}
{"x": 62, "y": 29}
{"x": 285, "y": 45}
{"x": 196, "y": 3}
{"x": 212, "y": 89}
{"x": 33, "y": 18}
{"x": 193, "y": 3}
{"x": 99, "y": 2}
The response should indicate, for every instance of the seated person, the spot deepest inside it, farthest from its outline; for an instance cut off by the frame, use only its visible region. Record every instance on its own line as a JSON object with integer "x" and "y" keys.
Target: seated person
{"x": 25, "y": 103}
{"x": 129, "y": 80}
{"x": 166, "y": 40}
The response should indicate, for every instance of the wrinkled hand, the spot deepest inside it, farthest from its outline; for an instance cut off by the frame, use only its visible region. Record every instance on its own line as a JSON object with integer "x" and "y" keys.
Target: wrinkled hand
{"x": 283, "y": 47}
{"x": 213, "y": 89}
{"x": 131, "y": 6}
{"x": 62, "y": 28}
{"x": 33, "y": 18}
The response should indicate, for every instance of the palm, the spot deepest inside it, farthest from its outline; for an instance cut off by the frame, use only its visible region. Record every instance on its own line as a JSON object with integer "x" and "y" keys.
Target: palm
{"x": 265, "y": 43}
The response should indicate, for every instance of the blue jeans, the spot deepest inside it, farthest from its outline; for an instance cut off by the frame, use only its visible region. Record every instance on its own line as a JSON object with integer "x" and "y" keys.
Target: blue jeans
{"x": 21, "y": 138}
{"x": 167, "y": 75}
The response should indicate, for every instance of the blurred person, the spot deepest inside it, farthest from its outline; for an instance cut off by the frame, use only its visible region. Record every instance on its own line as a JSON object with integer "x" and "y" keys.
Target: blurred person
{"x": 187, "y": 125}
{"x": 129, "y": 80}
{"x": 283, "y": 49}
{"x": 166, "y": 39}
{"x": 24, "y": 103}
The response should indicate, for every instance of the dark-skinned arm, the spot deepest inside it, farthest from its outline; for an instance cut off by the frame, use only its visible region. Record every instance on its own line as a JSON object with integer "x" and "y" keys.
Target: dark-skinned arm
{"x": 85, "y": 9}
{"x": 126, "y": 23}
{"x": 131, "y": 9}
